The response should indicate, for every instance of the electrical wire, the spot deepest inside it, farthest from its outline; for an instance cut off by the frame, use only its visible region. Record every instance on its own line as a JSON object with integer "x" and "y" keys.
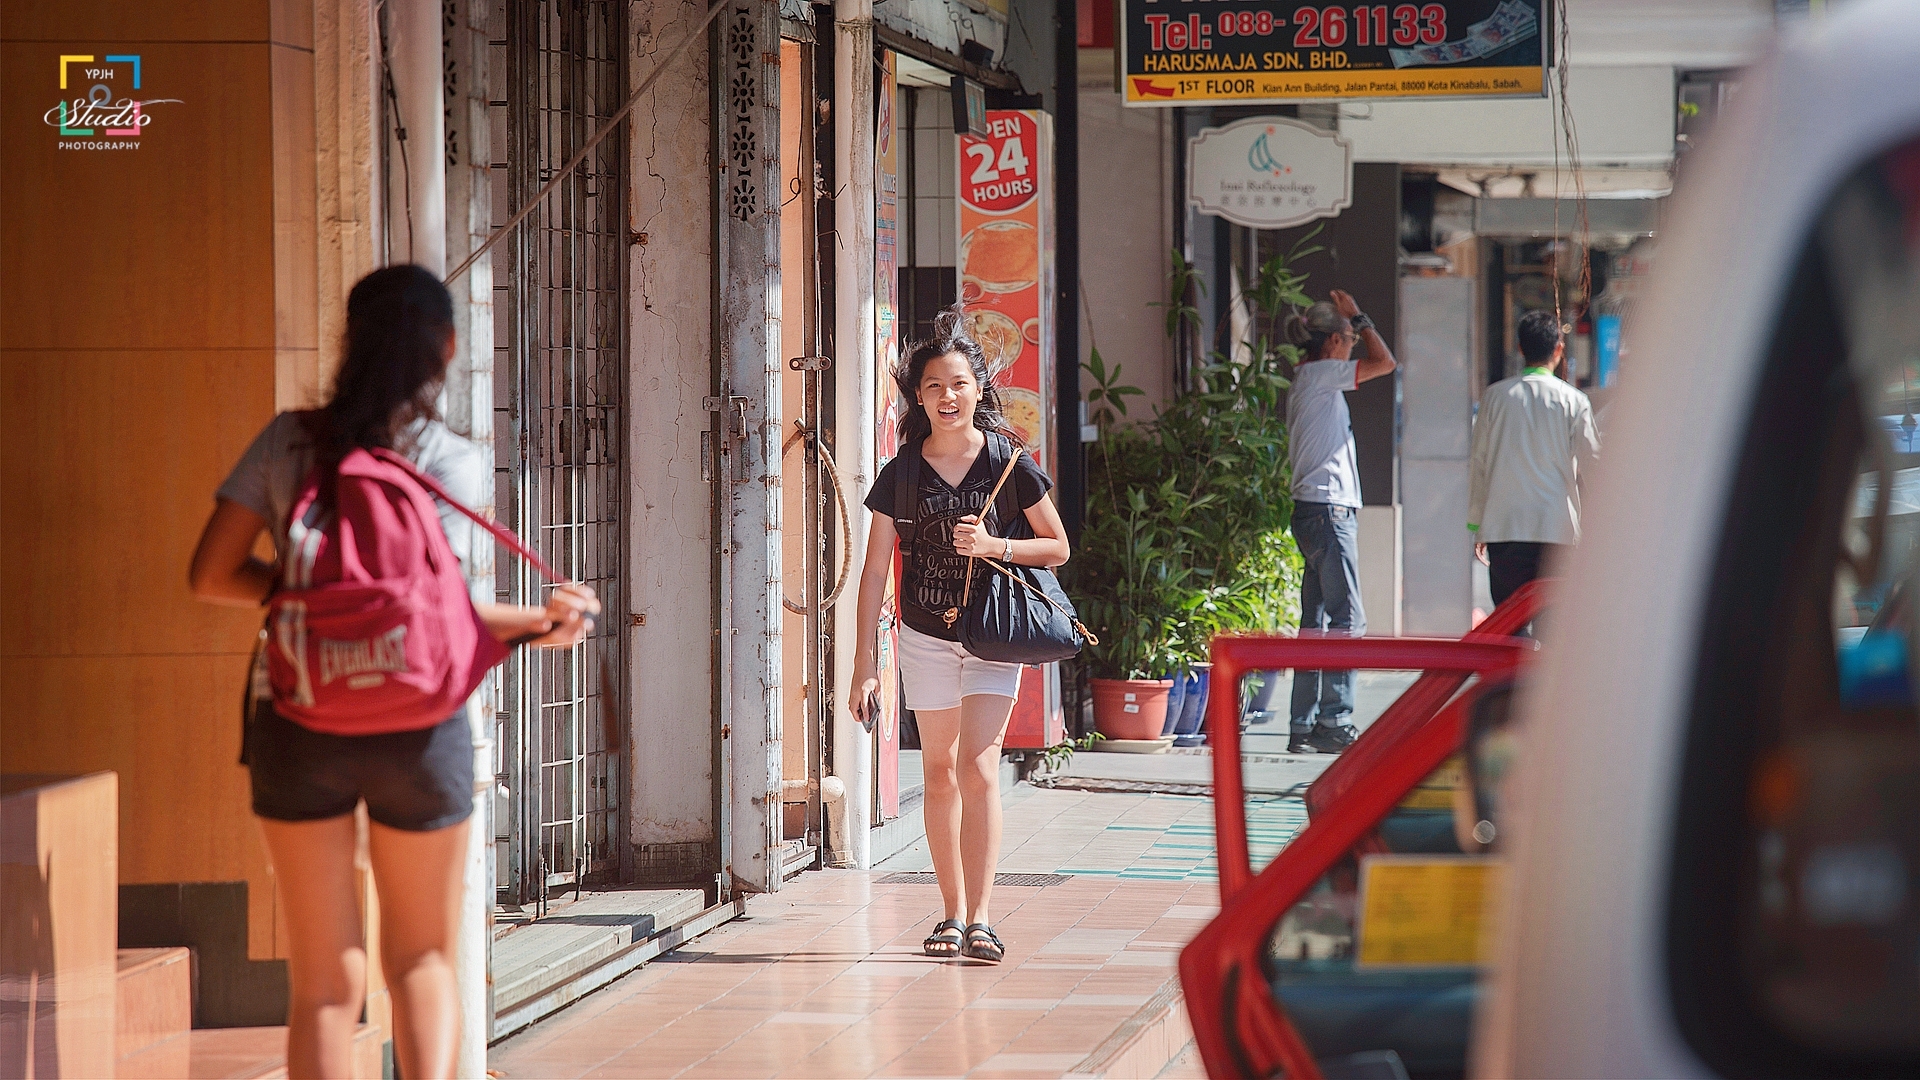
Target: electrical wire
{"x": 606, "y": 129}
{"x": 1567, "y": 131}
{"x": 399, "y": 129}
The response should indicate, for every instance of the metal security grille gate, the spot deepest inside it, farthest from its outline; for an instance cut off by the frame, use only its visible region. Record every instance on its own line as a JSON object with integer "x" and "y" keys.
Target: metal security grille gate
{"x": 560, "y": 292}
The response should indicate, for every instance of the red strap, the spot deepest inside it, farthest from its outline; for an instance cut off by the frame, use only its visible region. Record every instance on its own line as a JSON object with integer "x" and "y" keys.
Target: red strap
{"x": 500, "y": 532}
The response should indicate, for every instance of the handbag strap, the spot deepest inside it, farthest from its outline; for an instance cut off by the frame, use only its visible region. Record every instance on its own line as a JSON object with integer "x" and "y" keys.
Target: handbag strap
{"x": 499, "y": 531}
{"x": 966, "y": 593}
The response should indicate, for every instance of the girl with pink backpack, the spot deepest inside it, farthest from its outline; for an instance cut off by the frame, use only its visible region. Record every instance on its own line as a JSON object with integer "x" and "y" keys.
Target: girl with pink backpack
{"x": 372, "y": 646}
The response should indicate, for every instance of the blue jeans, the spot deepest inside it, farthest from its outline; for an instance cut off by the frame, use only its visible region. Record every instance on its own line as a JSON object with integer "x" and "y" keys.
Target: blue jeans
{"x": 1329, "y": 541}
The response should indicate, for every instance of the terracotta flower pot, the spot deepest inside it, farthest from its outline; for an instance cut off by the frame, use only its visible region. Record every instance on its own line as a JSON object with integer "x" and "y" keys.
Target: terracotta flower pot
{"x": 1134, "y": 709}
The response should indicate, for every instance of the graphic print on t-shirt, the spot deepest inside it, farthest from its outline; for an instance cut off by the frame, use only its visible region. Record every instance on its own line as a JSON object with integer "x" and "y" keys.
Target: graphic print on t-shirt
{"x": 934, "y": 576}
{"x": 942, "y": 576}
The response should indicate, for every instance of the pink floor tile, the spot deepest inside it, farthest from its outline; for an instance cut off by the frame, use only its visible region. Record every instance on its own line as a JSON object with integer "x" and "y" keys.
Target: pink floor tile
{"x": 827, "y": 980}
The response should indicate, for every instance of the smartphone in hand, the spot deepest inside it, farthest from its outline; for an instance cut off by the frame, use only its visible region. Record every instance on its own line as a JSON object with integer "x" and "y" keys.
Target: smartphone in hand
{"x": 868, "y": 711}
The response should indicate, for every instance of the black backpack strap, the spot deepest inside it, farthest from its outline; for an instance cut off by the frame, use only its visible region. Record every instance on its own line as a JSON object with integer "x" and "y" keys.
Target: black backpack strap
{"x": 1006, "y": 505}
{"x": 906, "y": 496}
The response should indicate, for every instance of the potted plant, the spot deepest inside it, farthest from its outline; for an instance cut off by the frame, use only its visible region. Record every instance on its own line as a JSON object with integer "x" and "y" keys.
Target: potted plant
{"x": 1187, "y": 517}
{"x": 1140, "y": 557}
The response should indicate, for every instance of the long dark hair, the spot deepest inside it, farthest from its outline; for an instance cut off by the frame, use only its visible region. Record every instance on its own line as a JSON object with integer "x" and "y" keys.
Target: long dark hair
{"x": 398, "y": 319}
{"x": 949, "y": 336}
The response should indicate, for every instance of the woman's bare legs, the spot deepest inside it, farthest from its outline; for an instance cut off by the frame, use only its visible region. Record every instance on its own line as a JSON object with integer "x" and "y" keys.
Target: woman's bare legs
{"x": 983, "y": 725}
{"x": 939, "y": 743}
{"x": 419, "y": 878}
{"x": 326, "y": 959}
{"x": 960, "y": 752}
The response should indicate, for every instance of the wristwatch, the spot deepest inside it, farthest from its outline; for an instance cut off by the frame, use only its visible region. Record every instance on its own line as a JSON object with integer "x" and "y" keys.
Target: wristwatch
{"x": 1360, "y": 322}
{"x": 1008, "y": 557}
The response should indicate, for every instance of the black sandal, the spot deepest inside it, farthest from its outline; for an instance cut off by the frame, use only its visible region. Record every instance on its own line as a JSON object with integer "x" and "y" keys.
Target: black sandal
{"x": 939, "y": 943}
{"x": 983, "y": 944}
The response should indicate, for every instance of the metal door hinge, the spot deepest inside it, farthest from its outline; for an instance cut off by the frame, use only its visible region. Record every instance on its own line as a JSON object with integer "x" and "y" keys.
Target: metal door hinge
{"x": 810, "y": 363}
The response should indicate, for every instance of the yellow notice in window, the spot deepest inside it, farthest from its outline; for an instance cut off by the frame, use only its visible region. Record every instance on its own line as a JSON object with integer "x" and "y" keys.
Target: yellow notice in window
{"x": 1436, "y": 791}
{"x": 1424, "y": 910}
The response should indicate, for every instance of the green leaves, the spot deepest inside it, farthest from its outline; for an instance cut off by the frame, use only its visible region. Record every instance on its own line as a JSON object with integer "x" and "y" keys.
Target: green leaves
{"x": 1055, "y": 757}
{"x": 1184, "y": 285}
{"x": 1107, "y": 399}
{"x": 1187, "y": 521}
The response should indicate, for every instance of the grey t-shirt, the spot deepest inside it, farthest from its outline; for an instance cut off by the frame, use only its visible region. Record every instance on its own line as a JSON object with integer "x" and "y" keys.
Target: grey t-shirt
{"x": 268, "y": 478}
{"x": 1320, "y": 433}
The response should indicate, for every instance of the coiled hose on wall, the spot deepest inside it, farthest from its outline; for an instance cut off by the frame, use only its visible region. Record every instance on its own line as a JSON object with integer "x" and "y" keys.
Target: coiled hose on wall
{"x": 800, "y": 431}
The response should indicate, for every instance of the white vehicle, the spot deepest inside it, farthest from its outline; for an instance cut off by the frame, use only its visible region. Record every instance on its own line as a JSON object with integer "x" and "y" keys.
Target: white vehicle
{"x": 1706, "y": 807}
{"x": 1715, "y": 838}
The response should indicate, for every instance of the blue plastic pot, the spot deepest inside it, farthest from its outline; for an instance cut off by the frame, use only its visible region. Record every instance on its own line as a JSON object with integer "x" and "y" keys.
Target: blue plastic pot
{"x": 1176, "y": 704}
{"x": 1263, "y": 705}
{"x": 1193, "y": 709}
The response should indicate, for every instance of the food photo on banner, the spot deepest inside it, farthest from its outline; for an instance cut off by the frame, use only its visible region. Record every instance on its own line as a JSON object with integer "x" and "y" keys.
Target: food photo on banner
{"x": 1007, "y": 288}
{"x": 1195, "y": 52}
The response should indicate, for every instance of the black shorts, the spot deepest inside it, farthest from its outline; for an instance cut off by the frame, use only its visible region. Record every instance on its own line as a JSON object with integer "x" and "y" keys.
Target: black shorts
{"x": 418, "y": 781}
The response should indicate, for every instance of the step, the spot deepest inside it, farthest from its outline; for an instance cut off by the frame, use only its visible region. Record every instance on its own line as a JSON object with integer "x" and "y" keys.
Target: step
{"x": 153, "y": 998}
{"x": 261, "y": 1052}
{"x": 580, "y": 945}
{"x": 168, "y": 1059}
{"x": 1147, "y": 1043}
{"x": 1186, "y": 1065}
{"x": 58, "y": 836}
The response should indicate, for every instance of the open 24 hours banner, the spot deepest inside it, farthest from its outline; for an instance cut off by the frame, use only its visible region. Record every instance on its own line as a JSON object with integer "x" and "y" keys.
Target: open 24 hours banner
{"x": 1197, "y": 52}
{"x": 1007, "y": 289}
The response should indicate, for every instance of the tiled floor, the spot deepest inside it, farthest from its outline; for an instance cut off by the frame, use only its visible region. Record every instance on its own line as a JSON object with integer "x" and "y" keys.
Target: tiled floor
{"x": 826, "y": 979}
{"x": 1131, "y": 837}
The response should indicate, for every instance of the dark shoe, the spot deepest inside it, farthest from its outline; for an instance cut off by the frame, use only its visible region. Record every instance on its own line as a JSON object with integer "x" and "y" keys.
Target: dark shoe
{"x": 983, "y": 944}
{"x": 944, "y": 942}
{"x": 1300, "y": 744}
{"x": 1332, "y": 740}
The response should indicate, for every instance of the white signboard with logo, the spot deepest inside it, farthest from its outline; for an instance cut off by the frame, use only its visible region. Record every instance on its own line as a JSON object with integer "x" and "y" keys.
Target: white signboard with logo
{"x": 1269, "y": 173}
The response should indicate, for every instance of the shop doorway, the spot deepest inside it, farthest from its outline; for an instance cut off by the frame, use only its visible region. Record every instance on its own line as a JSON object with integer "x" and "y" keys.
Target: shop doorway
{"x": 812, "y": 523}
{"x": 560, "y": 287}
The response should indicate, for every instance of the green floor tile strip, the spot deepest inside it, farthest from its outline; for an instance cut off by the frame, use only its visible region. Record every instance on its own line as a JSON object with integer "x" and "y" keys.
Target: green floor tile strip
{"x": 1186, "y": 851}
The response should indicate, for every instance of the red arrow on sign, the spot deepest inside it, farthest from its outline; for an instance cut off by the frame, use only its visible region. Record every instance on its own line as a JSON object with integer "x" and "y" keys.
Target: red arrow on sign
{"x": 1150, "y": 88}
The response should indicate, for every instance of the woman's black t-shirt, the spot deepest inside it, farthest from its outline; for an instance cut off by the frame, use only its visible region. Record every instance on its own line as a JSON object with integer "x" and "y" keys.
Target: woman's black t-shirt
{"x": 934, "y": 576}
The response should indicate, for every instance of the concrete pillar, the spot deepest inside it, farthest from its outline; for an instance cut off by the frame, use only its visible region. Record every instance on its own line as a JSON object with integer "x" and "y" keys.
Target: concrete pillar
{"x": 467, "y": 405}
{"x": 1436, "y": 444}
{"x": 416, "y": 168}
{"x": 747, "y": 415}
{"x": 853, "y": 381}
{"x": 346, "y": 150}
{"x": 671, "y": 796}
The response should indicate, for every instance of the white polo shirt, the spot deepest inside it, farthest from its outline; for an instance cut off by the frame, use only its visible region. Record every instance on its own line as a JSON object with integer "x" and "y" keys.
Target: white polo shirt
{"x": 1320, "y": 433}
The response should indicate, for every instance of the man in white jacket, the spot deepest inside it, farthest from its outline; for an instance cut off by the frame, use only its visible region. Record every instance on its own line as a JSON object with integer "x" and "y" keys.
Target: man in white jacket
{"x": 1531, "y": 442}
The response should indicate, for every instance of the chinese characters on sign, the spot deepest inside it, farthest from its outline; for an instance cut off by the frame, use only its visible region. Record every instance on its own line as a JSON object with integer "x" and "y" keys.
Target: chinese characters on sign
{"x": 1190, "y": 52}
{"x": 1269, "y": 173}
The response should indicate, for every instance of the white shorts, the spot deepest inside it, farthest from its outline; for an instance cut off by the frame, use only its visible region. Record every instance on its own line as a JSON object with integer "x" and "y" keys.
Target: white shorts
{"x": 936, "y": 673}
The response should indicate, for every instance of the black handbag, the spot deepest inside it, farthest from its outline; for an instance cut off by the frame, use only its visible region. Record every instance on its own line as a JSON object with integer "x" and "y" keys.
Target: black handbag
{"x": 1019, "y": 614}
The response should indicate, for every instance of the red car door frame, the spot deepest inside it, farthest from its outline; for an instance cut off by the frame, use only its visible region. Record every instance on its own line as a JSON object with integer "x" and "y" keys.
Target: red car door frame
{"x": 1239, "y": 1029}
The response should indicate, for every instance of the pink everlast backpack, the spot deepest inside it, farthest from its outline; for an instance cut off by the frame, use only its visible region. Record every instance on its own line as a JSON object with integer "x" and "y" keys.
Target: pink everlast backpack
{"x": 372, "y": 629}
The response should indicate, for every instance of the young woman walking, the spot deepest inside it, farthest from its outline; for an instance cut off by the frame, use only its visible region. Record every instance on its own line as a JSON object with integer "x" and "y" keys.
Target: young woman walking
{"x": 960, "y": 701}
{"x": 417, "y": 784}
